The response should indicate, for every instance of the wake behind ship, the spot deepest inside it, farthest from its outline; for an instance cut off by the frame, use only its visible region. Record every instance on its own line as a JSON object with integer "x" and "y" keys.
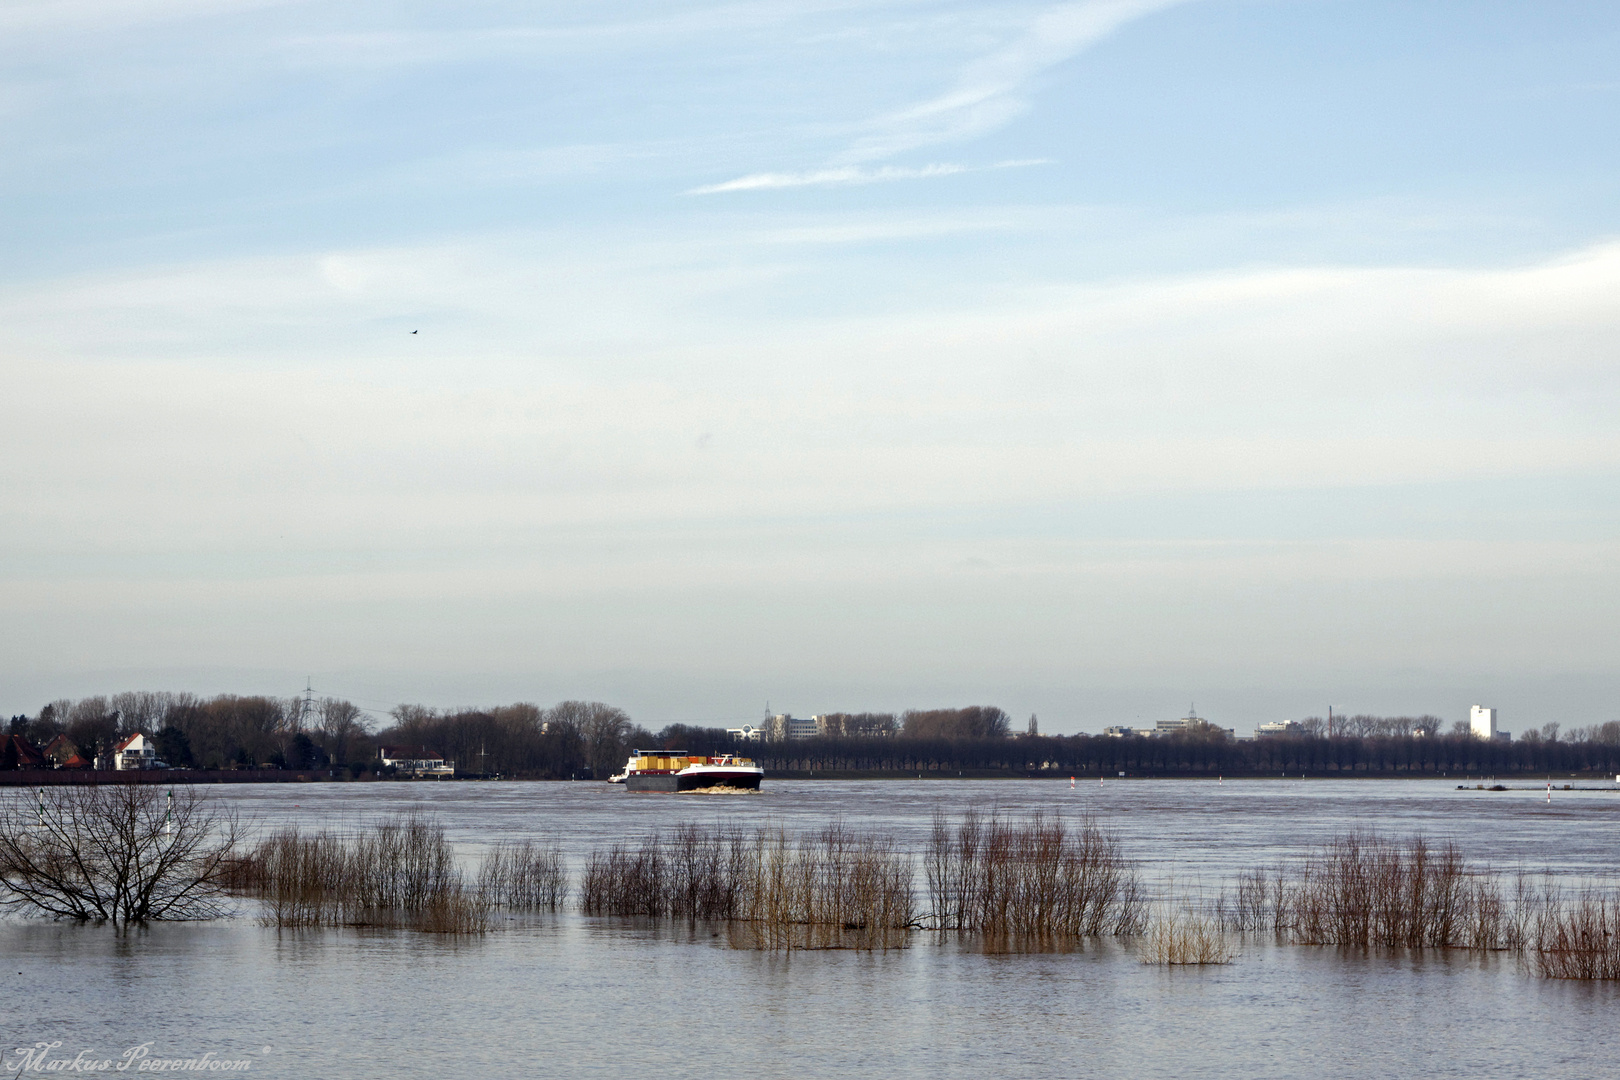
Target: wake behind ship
{"x": 677, "y": 770}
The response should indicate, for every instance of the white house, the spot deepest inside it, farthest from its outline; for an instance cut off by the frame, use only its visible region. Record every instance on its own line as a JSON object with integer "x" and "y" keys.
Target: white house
{"x": 415, "y": 761}
{"x": 135, "y": 752}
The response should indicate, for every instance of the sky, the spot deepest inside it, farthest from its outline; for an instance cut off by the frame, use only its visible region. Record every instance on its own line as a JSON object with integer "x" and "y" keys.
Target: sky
{"x": 1093, "y": 359}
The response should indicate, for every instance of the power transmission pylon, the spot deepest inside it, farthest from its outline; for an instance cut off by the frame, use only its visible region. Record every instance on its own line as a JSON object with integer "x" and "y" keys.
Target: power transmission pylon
{"x": 306, "y": 707}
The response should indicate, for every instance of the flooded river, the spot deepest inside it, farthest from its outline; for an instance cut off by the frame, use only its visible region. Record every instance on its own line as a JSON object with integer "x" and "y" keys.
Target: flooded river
{"x": 569, "y": 996}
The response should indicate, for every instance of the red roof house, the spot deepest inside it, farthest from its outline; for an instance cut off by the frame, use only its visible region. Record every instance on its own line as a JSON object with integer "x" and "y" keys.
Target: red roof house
{"x": 17, "y": 752}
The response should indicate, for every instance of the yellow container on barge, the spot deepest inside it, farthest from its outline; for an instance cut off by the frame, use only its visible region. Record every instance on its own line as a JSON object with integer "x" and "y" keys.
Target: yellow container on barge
{"x": 677, "y": 770}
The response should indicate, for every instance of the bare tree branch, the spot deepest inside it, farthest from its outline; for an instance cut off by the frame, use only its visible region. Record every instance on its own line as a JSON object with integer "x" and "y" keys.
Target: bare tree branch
{"x": 126, "y": 853}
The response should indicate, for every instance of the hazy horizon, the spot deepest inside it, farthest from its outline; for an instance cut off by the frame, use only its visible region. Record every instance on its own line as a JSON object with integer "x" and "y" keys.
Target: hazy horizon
{"x": 1087, "y": 359}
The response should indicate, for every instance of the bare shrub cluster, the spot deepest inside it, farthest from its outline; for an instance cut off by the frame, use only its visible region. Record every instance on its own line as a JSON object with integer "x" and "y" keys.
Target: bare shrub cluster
{"x": 400, "y": 873}
{"x": 1368, "y": 890}
{"x": 1578, "y": 938}
{"x": 698, "y": 874}
{"x": 523, "y": 876}
{"x": 1031, "y": 881}
{"x": 1181, "y": 937}
{"x": 841, "y": 887}
{"x": 830, "y": 888}
{"x": 1362, "y": 889}
{"x": 120, "y": 854}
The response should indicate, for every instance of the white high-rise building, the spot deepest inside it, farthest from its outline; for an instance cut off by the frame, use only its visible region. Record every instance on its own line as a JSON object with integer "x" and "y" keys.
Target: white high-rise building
{"x": 1482, "y": 722}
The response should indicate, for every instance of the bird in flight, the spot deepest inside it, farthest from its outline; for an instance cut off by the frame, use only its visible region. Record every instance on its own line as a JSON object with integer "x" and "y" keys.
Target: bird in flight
{"x": 416, "y": 331}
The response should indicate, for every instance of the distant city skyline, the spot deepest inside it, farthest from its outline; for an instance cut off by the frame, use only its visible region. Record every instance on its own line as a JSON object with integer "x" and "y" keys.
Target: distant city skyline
{"x": 1083, "y": 359}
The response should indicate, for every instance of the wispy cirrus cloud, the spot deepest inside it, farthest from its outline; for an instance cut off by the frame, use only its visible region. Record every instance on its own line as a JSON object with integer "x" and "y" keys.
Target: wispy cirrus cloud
{"x": 988, "y": 93}
{"x": 993, "y": 89}
{"x": 849, "y": 175}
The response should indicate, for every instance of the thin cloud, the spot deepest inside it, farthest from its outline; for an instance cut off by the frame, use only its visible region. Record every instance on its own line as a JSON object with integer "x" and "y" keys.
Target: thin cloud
{"x": 850, "y": 175}
{"x": 992, "y": 90}
{"x": 989, "y": 92}
{"x": 103, "y": 14}
{"x": 410, "y": 47}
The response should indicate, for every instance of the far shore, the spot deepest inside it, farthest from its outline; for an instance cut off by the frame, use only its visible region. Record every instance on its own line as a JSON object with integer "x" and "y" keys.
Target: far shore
{"x": 1603, "y": 781}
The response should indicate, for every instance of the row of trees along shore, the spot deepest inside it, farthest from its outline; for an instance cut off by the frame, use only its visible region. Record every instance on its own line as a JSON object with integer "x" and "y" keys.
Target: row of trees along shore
{"x": 578, "y": 739}
{"x": 567, "y": 740}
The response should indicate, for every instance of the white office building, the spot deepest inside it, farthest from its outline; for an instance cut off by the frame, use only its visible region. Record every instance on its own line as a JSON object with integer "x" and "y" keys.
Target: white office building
{"x": 801, "y": 727}
{"x": 1482, "y": 722}
{"x": 782, "y": 726}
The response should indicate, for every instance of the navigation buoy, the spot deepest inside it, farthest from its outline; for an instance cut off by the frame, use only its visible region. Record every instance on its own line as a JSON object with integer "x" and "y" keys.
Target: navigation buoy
{"x": 1071, "y": 783}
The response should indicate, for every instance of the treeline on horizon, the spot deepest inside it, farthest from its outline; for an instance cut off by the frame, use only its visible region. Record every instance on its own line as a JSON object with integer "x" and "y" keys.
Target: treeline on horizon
{"x": 580, "y": 739}
{"x": 573, "y": 739}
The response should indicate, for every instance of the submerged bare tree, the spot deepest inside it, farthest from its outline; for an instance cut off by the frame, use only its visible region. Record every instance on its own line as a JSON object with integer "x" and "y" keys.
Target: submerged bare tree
{"x": 125, "y": 853}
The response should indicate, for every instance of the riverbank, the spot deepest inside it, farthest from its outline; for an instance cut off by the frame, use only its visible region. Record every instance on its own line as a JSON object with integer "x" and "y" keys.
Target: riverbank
{"x": 54, "y": 777}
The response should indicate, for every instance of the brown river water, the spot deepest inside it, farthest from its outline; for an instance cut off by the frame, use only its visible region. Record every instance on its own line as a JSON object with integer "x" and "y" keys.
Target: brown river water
{"x": 570, "y": 996}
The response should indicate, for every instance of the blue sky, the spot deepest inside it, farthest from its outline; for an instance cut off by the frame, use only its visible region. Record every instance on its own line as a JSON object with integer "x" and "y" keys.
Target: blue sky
{"x": 1086, "y": 358}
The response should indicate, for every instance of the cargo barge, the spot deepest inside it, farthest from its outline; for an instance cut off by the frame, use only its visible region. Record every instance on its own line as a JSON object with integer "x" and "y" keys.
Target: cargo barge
{"x": 677, "y": 770}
